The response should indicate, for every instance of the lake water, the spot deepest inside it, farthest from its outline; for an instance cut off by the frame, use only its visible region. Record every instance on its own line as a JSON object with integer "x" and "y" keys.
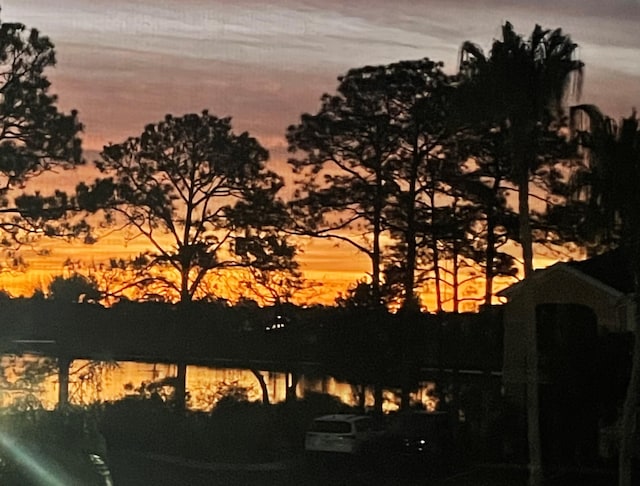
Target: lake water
{"x": 30, "y": 380}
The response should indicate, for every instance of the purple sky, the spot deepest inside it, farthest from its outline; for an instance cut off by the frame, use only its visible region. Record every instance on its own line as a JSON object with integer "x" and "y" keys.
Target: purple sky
{"x": 123, "y": 64}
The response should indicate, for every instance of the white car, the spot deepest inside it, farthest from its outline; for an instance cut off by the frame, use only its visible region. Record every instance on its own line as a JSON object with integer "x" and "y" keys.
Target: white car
{"x": 342, "y": 433}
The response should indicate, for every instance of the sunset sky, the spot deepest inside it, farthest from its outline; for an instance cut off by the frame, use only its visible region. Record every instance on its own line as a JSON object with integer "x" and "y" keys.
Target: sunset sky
{"x": 125, "y": 64}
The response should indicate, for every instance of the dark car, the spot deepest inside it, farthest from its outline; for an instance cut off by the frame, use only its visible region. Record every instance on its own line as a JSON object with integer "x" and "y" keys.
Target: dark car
{"x": 414, "y": 440}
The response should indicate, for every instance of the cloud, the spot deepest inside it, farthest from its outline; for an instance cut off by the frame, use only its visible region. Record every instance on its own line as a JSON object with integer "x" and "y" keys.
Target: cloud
{"x": 124, "y": 64}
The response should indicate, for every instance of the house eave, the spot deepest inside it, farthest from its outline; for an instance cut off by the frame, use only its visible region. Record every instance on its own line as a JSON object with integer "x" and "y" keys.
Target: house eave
{"x": 543, "y": 274}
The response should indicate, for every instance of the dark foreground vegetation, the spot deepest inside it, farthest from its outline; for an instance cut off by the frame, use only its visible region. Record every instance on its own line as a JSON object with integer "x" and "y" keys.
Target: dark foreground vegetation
{"x": 39, "y": 447}
{"x": 37, "y": 444}
{"x": 235, "y": 431}
{"x": 236, "y": 443}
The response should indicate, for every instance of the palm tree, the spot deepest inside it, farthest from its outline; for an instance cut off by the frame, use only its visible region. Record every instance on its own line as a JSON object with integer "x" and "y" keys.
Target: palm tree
{"x": 615, "y": 201}
{"x": 521, "y": 88}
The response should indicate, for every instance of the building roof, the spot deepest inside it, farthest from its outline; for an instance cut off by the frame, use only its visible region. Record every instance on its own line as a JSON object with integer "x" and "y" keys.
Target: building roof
{"x": 612, "y": 268}
{"x": 609, "y": 271}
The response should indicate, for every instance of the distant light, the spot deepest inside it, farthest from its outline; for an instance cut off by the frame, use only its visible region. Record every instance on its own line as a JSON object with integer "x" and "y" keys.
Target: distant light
{"x": 279, "y": 324}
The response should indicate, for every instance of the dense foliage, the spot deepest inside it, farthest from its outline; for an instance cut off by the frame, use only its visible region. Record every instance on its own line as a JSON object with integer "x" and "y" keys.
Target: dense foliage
{"x": 201, "y": 197}
{"x": 35, "y": 138}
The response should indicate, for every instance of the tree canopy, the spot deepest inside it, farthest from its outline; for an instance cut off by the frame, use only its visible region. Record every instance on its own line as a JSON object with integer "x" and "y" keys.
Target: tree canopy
{"x": 199, "y": 194}
{"x": 74, "y": 288}
{"x": 35, "y": 138}
{"x": 520, "y": 88}
{"x": 357, "y": 152}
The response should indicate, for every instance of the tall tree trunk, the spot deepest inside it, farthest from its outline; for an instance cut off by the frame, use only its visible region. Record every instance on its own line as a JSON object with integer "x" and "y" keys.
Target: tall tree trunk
{"x": 435, "y": 255}
{"x": 378, "y": 398}
{"x": 456, "y": 277}
{"x": 410, "y": 301}
{"x": 362, "y": 397}
{"x": 64, "y": 364}
{"x": 410, "y": 305}
{"x": 180, "y": 389}
{"x": 525, "y": 148}
{"x": 181, "y": 386}
{"x": 524, "y": 223}
{"x": 376, "y": 260}
{"x": 292, "y": 387}
{"x": 263, "y": 386}
{"x": 491, "y": 244}
{"x": 490, "y": 258}
{"x": 376, "y": 257}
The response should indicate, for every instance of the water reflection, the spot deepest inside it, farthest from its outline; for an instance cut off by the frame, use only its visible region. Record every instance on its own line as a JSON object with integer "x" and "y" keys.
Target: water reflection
{"x": 30, "y": 380}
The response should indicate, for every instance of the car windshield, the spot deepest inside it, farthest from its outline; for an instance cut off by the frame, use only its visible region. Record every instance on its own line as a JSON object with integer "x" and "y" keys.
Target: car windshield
{"x": 331, "y": 426}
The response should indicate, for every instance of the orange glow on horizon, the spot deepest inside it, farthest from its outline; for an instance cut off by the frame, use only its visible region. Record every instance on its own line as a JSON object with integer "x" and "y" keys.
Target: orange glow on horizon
{"x": 335, "y": 266}
{"x": 332, "y": 268}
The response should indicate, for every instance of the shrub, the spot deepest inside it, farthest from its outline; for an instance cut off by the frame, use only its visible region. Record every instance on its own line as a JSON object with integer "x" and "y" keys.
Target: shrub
{"x": 236, "y": 430}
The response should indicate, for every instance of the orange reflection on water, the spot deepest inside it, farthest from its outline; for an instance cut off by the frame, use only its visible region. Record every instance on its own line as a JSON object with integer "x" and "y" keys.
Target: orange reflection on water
{"x": 93, "y": 382}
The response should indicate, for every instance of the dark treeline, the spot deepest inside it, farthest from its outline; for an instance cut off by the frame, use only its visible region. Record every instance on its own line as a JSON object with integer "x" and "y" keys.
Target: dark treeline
{"x": 356, "y": 345}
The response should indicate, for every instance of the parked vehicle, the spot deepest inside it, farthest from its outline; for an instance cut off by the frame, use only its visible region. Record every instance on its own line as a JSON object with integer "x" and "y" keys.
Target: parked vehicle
{"x": 414, "y": 439}
{"x": 339, "y": 433}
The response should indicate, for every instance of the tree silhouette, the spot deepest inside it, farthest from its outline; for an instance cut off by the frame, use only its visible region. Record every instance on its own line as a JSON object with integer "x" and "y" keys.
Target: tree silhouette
{"x": 614, "y": 154}
{"x": 521, "y": 88}
{"x": 346, "y": 152}
{"x": 358, "y": 296}
{"x": 418, "y": 176}
{"x": 199, "y": 194}
{"x": 364, "y": 151}
{"x": 201, "y": 197}
{"x": 274, "y": 287}
{"x": 34, "y": 138}
{"x": 483, "y": 181}
{"x": 596, "y": 209}
{"x": 368, "y": 160}
{"x": 75, "y": 288}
